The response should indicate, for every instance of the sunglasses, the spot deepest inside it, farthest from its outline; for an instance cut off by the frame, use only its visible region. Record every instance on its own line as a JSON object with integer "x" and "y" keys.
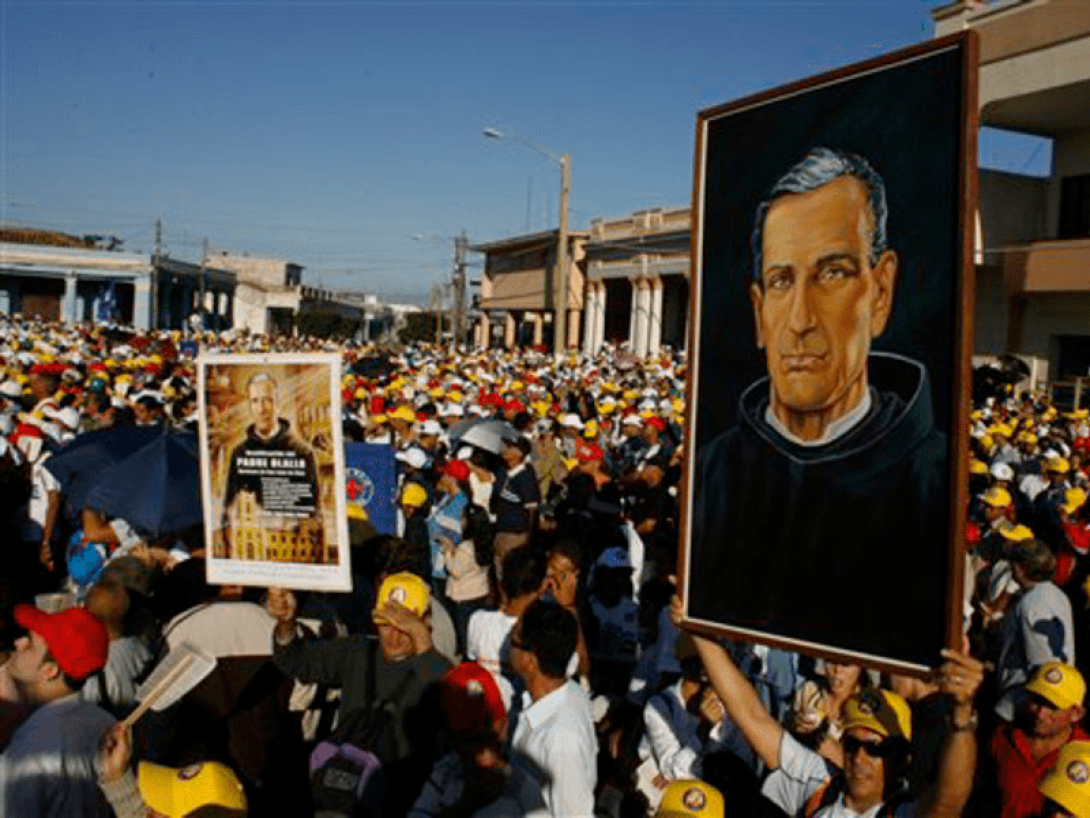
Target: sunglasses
{"x": 874, "y": 749}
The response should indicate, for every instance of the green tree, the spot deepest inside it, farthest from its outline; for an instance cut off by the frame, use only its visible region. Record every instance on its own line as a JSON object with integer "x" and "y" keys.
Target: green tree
{"x": 420, "y": 327}
{"x": 326, "y": 323}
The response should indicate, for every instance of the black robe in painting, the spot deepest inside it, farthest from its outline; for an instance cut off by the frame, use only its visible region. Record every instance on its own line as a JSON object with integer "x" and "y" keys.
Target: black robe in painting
{"x": 842, "y": 544}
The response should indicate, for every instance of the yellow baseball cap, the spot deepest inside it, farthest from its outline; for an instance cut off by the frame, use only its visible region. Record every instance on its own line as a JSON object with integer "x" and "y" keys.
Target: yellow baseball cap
{"x": 880, "y": 711}
{"x": 407, "y": 590}
{"x": 997, "y": 497}
{"x": 178, "y": 792}
{"x": 1068, "y": 784}
{"x": 404, "y": 412}
{"x": 1057, "y": 464}
{"x": 690, "y": 798}
{"x": 413, "y": 495}
{"x": 1073, "y": 500}
{"x": 1058, "y": 683}
{"x": 978, "y": 467}
{"x": 1016, "y": 533}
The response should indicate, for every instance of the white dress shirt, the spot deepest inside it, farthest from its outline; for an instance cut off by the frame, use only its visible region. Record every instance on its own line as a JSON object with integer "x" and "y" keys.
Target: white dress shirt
{"x": 555, "y": 742}
{"x": 488, "y": 643}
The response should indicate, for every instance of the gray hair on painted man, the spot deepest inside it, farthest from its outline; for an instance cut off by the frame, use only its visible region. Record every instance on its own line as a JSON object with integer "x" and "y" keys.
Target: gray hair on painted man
{"x": 820, "y": 167}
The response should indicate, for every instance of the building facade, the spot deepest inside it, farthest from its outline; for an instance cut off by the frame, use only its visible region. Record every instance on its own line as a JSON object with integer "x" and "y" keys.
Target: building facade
{"x": 637, "y": 281}
{"x": 1033, "y": 232}
{"x": 628, "y": 285}
{"x": 74, "y": 285}
{"x": 519, "y": 291}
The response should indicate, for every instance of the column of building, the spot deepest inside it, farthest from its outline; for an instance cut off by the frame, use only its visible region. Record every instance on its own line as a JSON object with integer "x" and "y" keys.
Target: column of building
{"x": 600, "y": 316}
{"x": 142, "y": 317}
{"x": 510, "y": 331}
{"x": 68, "y": 302}
{"x": 654, "y": 331}
{"x": 641, "y": 324}
{"x": 595, "y": 298}
{"x": 538, "y": 320}
{"x": 484, "y": 331}
{"x": 645, "y": 324}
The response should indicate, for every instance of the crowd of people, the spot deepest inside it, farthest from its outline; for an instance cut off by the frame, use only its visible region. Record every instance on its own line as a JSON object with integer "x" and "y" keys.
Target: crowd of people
{"x": 514, "y": 648}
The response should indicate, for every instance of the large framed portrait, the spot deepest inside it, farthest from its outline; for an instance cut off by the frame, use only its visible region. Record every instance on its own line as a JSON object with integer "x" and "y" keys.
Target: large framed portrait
{"x": 273, "y": 477}
{"x": 830, "y": 350}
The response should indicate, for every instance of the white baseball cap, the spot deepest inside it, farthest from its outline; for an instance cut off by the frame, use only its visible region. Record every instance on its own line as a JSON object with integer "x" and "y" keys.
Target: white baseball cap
{"x": 572, "y": 421}
{"x": 413, "y": 457}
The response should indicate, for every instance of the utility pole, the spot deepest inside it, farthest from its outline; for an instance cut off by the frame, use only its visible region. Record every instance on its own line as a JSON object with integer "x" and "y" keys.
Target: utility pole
{"x": 158, "y": 240}
{"x": 459, "y": 326}
{"x": 560, "y": 325}
{"x": 560, "y": 292}
{"x": 204, "y": 274}
{"x": 435, "y": 302}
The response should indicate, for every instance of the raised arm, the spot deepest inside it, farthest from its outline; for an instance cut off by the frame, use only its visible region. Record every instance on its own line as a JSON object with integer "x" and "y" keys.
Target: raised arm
{"x": 959, "y": 678}
{"x": 318, "y": 661}
{"x": 763, "y": 733}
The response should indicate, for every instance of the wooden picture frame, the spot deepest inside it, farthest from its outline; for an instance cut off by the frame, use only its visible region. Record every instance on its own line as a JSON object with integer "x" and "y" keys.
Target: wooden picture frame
{"x": 823, "y": 501}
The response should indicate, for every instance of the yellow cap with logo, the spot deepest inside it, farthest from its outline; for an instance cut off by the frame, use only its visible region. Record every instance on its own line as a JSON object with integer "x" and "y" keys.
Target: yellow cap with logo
{"x": 1068, "y": 784}
{"x": 176, "y": 793}
{"x": 881, "y": 711}
{"x": 1059, "y": 684}
{"x": 690, "y": 798}
{"x": 404, "y": 589}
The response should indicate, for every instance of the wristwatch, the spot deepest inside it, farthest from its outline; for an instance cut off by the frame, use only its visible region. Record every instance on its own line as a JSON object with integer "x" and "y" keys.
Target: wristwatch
{"x": 971, "y": 724}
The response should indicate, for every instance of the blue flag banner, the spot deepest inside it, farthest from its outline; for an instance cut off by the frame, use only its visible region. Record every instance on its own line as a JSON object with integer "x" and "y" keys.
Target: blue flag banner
{"x": 370, "y": 476}
{"x": 107, "y": 304}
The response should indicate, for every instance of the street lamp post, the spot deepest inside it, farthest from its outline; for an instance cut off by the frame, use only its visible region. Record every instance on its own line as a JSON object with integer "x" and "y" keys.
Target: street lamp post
{"x": 560, "y": 323}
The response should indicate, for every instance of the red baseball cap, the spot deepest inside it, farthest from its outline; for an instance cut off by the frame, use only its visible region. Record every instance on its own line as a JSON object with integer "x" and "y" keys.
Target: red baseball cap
{"x": 457, "y": 469}
{"x": 657, "y": 423}
{"x": 77, "y": 639}
{"x": 471, "y": 699}
{"x": 588, "y": 454}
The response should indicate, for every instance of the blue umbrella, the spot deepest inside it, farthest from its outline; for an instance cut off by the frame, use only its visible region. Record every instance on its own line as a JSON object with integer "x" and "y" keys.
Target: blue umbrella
{"x": 78, "y": 464}
{"x": 156, "y": 490}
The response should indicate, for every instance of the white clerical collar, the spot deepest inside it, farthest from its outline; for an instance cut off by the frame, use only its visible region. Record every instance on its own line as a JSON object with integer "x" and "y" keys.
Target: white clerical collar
{"x": 838, "y": 428}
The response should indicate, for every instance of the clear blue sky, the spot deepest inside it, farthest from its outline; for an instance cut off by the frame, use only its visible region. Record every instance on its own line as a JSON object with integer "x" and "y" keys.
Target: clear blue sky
{"x": 332, "y": 133}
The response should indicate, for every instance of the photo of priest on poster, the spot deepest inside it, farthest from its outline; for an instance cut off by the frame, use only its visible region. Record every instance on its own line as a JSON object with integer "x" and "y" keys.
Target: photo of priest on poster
{"x": 273, "y": 470}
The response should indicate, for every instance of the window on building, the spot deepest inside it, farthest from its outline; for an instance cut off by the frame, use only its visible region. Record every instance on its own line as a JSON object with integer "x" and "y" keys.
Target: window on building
{"x": 1075, "y": 207}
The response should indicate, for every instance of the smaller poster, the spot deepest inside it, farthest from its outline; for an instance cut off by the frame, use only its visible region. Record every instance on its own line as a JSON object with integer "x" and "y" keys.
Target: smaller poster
{"x": 371, "y": 485}
{"x": 272, "y": 471}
